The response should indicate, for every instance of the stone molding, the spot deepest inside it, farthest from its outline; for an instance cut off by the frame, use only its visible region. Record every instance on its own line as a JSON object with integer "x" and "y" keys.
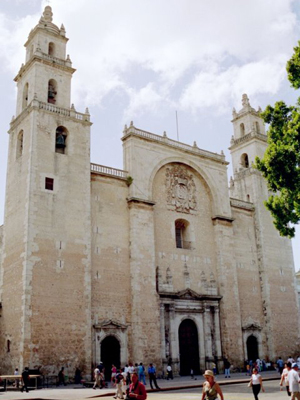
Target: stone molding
{"x": 164, "y": 140}
{"x": 245, "y": 205}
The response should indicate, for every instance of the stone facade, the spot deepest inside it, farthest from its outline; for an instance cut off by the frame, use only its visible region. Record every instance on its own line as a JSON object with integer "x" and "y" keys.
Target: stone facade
{"x": 159, "y": 262}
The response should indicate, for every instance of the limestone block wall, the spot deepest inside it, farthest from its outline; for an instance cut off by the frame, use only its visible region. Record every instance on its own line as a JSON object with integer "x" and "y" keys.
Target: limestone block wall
{"x": 58, "y": 260}
{"x": 13, "y": 267}
{"x": 111, "y": 281}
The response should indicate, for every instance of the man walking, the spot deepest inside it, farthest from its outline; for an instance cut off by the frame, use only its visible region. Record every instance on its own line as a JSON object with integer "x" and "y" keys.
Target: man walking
{"x": 152, "y": 376}
{"x": 293, "y": 378}
{"x": 25, "y": 379}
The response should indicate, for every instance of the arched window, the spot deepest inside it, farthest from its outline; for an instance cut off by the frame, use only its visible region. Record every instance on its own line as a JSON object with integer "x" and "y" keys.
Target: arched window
{"x": 245, "y": 160}
{"x": 20, "y": 144}
{"x": 61, "y": 139}
{"x": 25, "y": 96}
{"x": 182, "y": 234}
{"x": 52, "y": 91}
{"x": 242, "y": 129}
{"x": 51, "y": 49}
{"x": 257, "y": 127}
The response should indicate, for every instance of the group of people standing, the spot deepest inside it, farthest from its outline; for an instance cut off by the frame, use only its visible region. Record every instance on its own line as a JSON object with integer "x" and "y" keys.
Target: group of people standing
{"x": 130, "y": 380}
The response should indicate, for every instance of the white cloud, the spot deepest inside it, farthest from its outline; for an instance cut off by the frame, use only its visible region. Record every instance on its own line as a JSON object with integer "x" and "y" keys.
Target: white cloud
{"x": 200, "y": 52}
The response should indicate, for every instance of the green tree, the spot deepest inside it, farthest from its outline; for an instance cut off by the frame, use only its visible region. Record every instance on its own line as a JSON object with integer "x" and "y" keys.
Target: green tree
{"x": 281, "y": 162}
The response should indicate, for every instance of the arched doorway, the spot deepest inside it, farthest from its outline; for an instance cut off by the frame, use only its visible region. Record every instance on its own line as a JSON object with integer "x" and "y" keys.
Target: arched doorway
{"x": 110, "y": 354}
{"x": 188, "y": 347}
{"x": 252, "y": 348}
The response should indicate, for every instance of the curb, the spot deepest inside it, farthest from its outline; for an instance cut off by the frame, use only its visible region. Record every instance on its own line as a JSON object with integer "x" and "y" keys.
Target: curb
{"x": 199, "y": 385}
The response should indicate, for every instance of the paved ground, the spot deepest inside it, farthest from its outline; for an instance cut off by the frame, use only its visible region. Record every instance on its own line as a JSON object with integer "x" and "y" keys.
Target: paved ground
{"x": 179, "y": 388}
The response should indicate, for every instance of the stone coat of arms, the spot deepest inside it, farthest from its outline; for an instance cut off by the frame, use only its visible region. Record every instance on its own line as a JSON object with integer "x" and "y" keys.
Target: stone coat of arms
{"x": 181, "y": 189}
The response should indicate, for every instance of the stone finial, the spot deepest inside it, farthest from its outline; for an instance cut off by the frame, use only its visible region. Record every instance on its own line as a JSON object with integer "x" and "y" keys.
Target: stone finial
{"x": 259, "y": 110}
{"x": 234, "y": 114}
{"x": 245, "y": 100}
{"x": 165, "y": 134}
{"x": 68, "y": 58}
{"x": 195, "y": 144}
{"x": 72, "y": 107}
{"x": 222, "y": 153}
{"x": 48, "y": 14}
{"x": 62, "y": 28}
{"x": 232, "y": 139}
{"x": 13, "y": 117}
{"x": 131, "y": 123}
{"x": 87, "y": 111}
{"x": 125, "y": 128}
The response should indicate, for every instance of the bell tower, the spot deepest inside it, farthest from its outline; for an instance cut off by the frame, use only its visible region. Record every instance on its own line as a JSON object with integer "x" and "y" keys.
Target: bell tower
{"x": 274, "y": 257}
{"x": 46, "y": 263}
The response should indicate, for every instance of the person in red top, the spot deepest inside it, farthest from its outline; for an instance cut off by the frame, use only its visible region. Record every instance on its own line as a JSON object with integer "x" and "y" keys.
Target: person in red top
{"x": 136, "y": 389}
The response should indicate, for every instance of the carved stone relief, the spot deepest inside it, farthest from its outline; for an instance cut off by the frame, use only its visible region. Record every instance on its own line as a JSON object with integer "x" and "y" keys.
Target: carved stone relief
{"x": 181, "y": 189}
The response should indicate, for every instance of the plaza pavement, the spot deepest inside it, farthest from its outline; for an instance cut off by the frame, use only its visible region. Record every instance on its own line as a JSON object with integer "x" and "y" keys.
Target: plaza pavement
{"x": 170, "y": 389}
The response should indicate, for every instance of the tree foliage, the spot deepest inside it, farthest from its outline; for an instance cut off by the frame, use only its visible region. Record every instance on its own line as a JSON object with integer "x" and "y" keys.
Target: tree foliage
{"x": 281, "y": 162}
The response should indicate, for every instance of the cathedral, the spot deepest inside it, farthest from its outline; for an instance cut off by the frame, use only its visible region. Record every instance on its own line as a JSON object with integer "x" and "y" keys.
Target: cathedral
{"x": 160, "y": 262}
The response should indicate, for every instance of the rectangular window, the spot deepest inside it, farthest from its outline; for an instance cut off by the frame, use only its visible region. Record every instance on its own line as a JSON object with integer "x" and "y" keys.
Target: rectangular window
{"x": 49, "y": 183}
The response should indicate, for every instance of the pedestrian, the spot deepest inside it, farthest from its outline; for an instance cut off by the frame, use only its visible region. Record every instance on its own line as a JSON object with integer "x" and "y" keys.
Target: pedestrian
{"x": 136, "y": 390}
{"x": 141, "y": 372}
{"x": 280, "y": 365}
{"x": 227, "y": 368}
{"x": 169, "y": 372}
{"x": 25, "y": 379}
{"x": 61, "y": 377}
{"x": 152, "y": 376}
{"x": 293, "y": 378}
{"x": 113, "y": 374}
{"x": 17, "y": 380}
{"x": 119, "y": 384}
{"x": 77, "y": 377}
{"x": 256, "y": 383}
{"x": 97, "y": 377}
{"x": 284, "y": 377}
{"x": 211, "y": 389}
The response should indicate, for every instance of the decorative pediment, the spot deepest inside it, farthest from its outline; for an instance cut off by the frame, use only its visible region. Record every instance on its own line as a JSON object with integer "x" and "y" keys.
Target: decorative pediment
{"x": 110, "y": 324}
{"x": 251, "y": 327}
{"x": 188, "y": 294}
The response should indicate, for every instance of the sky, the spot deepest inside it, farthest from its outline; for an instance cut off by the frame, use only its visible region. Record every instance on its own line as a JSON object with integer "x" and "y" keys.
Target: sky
{"x": 143, "y": 60}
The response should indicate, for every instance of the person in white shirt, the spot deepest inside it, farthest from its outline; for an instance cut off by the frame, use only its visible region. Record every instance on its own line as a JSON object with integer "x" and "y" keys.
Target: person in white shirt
{"x": 284, "y": 377}
{"x": 256, "y": 383}
{"x": 293, "y": 378}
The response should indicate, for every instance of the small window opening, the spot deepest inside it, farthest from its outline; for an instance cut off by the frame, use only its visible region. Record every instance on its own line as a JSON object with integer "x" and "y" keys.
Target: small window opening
{"x": 257, "y": 127}
{"x": 25, "y": 96}
{"x": 20, "y": 144}
{"x": 245, "y": 160}
{"x": 242, "y": 129}
{"x": 49, "y": 183}
{"x": 61, "y": 139}
{"x": 248, "y": 197}
{"x": 181, "y": 234}
{"x": 52, "y": 91}
{"x": 8, "y": 346}
{"x": 51, "y": 48}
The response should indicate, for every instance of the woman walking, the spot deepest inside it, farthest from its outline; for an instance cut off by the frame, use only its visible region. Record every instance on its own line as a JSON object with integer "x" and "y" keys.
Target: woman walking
{"x": 211, "y": 389}
{"x": 256, "y": 383}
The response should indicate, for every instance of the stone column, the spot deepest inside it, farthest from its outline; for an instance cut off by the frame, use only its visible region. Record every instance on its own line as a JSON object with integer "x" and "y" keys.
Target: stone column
{"x": 207, "y": 335}
{"x": 201, "y": 341}
{"x": 218, "y": 338}
{"x": 162, "y": 332}
{"x": 217, "y": 332}
{"x": 174, "y": 352}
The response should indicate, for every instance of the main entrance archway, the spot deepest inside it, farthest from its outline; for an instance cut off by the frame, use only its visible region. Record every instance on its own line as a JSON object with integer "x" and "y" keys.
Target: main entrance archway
{"x": 252, "y": 348}
{"x": 188, "y": 347}
{"x": 110, "y": 354}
